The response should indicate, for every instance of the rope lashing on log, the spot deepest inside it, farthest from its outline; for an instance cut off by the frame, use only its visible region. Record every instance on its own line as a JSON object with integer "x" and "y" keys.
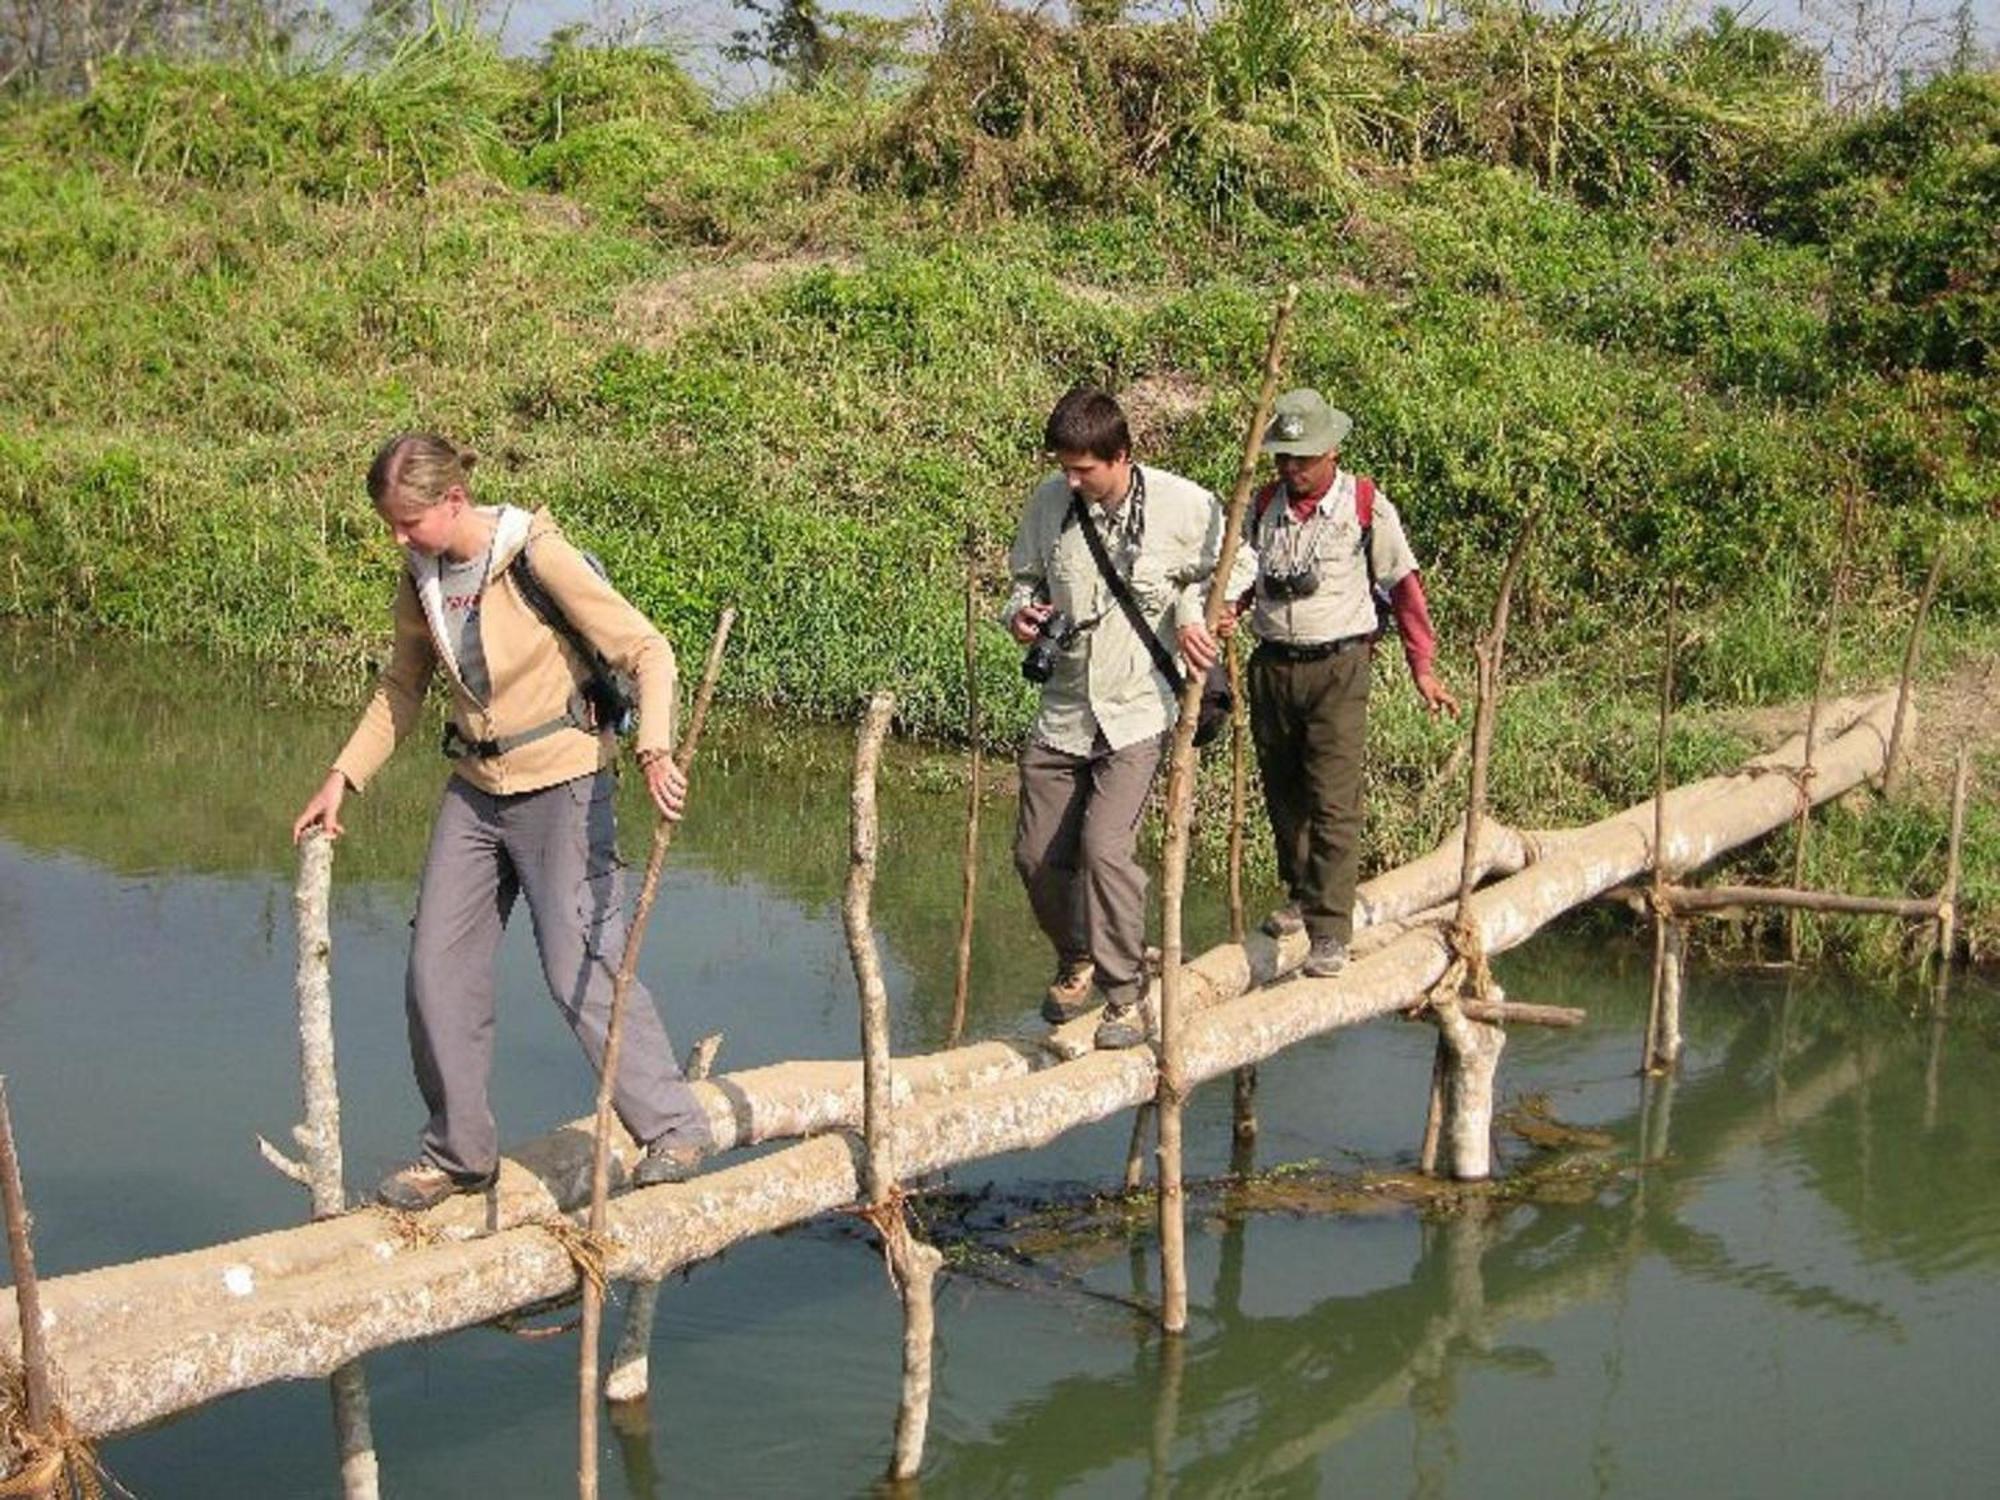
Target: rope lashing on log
{"x": 60, "y": 1462}
{"x": 589, "y": 1250}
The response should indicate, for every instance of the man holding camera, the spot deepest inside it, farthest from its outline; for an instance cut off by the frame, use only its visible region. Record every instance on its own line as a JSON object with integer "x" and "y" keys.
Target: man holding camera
{"x": 1333, "y": 566}
{"x": 1109, "y": 564}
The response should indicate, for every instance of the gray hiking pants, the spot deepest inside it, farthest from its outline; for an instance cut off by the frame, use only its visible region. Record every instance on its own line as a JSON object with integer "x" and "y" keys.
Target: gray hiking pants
{"x": 558, "y": 847}
{"x": 1074, "y": 847}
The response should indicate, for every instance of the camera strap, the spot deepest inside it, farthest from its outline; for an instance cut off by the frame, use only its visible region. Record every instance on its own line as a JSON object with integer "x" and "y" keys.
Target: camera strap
{"x": 1122, "y": 592}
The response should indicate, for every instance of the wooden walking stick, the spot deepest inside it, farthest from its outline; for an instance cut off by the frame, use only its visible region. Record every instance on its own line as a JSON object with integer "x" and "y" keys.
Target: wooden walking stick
{"x": 600, "y": 1156}
{"x": 913, "y": 1265}
{"x": 962, "y": 984}
{"x": 1173, "y": 859}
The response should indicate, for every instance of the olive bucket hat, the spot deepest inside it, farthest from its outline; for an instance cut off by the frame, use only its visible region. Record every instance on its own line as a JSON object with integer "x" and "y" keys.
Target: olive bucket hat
{"x": 1303, "y": 424}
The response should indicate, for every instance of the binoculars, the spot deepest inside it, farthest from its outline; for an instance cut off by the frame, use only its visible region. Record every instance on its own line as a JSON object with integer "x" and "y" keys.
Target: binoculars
{"x": 1302, "y": 584}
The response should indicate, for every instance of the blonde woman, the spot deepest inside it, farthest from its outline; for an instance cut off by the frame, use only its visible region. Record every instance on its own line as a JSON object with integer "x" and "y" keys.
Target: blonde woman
{"x": 527, "y": 810}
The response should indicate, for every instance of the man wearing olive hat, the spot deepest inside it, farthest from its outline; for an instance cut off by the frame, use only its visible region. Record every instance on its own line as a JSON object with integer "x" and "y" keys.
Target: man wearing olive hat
{"x": 1331, "y": 560}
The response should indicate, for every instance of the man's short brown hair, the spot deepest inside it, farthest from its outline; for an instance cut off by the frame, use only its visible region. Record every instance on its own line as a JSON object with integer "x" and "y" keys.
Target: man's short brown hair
{"x": 1088, "y": 420}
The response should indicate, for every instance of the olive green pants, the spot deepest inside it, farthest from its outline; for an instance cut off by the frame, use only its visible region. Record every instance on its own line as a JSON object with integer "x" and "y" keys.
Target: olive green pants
{"x": 1310, "y": 723}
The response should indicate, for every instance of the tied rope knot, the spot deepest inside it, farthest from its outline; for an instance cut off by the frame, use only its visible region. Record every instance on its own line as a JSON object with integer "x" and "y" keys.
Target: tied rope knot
{"x": 1466, "y": 977}
{"x": 42, "y": 1459}
{"x": 589, "y": 1252}
{"x": 892, "y": 1222}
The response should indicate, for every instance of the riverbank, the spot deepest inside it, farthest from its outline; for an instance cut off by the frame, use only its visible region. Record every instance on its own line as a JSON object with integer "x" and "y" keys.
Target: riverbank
{"x": 788, "y": 354}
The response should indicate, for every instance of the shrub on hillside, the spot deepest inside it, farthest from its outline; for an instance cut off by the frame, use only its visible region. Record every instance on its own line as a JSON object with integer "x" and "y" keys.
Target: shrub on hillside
{"x": 1271, "y": 107}
{"x": 1906, "y": 203}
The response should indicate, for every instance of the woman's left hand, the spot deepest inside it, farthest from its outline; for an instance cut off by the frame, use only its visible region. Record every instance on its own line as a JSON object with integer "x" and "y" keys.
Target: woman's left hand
{"x": 667, "y": 784}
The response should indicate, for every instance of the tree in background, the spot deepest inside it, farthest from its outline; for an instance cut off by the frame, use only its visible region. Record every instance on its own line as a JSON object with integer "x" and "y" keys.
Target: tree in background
{"x": 59, "y": 45}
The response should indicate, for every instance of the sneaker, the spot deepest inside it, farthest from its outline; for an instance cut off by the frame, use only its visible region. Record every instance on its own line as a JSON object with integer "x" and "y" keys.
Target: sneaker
{"x": 1123, "y": 1026}
{"x": 421, "y": 1184}
{"x": 1327, "y": 958}
{"x": 1070, "y": 992}
{"x": 667, "y": 1163}
{"x": 1285, "y": 921}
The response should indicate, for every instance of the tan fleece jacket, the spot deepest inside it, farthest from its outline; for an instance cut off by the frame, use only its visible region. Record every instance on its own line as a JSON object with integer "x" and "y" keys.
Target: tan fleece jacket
{"x": 535, "y": 674}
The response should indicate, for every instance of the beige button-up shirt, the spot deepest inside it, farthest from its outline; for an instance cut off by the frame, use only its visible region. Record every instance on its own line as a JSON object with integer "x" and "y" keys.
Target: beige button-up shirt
{"x": 1106, "y": 681}
{"x": 1328, "y": 543}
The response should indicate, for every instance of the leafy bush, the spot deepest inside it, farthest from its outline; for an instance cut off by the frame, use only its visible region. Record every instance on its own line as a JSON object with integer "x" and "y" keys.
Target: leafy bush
{"x": 1905, "y": 203}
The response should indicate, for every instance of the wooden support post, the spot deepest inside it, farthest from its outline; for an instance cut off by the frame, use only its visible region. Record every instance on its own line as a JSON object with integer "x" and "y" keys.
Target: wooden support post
{"x": 1835, "y": 590}
{"x": 1650, "y": 1059}
{"x": 1239, "y": 787}
{"x": 44, "y": 1470}
{"x": 1135, "y": 1149}
{"x": 1243, "y": 1105}
{"x": 913, "y": 1265}
{"x": 1906, "y": 684}
{"x": 600, "y": 1155}
{"x": 1665, "y": 1042}
{"x": 1468, "y": 1096}
{"x": 1173, "y": 1085}
{"x": 1243, "y": 1101}
{"x": 1947, "y": 902}
{"x": 1469, "y": 1050}
{"x": 1427, "y": 1153}
{"x": 630, "y": 1377}
{"x": 962, "y": 983}
{"x": 320, "y": 1135}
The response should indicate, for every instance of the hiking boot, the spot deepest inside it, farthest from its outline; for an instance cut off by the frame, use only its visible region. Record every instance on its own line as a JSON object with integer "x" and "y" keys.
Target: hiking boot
{"x": 1285, "y": 921}
{"x": 1123, "y": 1026}
{"x": 421, "y": 1184}
{"x": 665, "y": 1162}
{"x": 1327, "y": 958}
{"x": 1070, "y": 992}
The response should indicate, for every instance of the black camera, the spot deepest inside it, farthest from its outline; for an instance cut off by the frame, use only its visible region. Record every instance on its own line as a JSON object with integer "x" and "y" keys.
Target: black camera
{"x": 1301, "y": 584}
{"x": 1053, "y": 636}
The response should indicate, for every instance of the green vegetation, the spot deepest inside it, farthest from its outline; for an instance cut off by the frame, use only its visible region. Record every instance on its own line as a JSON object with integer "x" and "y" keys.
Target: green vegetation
{"x": 785, "y": 353}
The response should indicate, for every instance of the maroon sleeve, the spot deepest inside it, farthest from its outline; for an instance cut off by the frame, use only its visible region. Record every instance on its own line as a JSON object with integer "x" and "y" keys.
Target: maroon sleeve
{"x": 1413, "y": 623}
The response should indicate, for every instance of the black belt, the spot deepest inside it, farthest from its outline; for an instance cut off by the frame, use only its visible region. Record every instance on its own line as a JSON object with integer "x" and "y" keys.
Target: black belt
{"x": 1290, "y": 651}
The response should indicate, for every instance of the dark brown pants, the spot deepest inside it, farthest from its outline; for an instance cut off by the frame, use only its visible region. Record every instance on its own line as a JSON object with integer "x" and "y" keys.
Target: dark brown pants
{"x": 1074, "y": 848}
{"x": 1310, "y": 722}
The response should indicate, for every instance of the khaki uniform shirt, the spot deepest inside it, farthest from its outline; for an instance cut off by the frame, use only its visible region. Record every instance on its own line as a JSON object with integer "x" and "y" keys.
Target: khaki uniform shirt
{"x": 533, "y": 673}
{"x": 1106, "y": 682}
{"x": 1329, "y": 543}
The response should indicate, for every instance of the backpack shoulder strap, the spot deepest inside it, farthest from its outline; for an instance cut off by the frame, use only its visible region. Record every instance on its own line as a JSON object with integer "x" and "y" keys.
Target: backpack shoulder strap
{"x": 1364, "y": 512}
{"x": 1263, "y": 503}
{"x": 1122, "y": 592}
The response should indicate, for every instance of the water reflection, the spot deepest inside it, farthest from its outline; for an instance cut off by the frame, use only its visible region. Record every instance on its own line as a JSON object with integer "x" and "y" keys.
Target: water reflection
{"x": 1798, "y": 1240}
{"x": 1253, "y": 1403}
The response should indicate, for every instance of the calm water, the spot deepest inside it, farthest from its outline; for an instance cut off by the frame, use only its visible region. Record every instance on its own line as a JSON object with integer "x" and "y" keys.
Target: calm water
{"x": 1799, "y": 1293}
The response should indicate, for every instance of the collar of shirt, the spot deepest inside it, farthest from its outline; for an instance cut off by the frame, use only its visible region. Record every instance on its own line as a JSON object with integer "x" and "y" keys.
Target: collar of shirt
{"x": 1302, "y": 506}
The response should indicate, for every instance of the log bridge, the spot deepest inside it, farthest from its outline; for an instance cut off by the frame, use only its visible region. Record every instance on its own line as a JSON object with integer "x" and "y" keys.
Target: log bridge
{"x": 131, "y": 1344}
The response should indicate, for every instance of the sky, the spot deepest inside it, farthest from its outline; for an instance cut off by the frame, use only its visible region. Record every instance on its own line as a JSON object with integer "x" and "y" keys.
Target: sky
{"x": 700, "y": 27}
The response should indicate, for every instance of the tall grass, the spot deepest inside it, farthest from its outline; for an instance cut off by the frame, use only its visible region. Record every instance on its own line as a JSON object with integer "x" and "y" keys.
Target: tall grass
{"x": 784, "y": 353}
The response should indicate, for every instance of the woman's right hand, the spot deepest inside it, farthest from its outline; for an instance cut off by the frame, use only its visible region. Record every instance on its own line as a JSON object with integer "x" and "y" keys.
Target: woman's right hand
{"x": 323, "y": 809}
